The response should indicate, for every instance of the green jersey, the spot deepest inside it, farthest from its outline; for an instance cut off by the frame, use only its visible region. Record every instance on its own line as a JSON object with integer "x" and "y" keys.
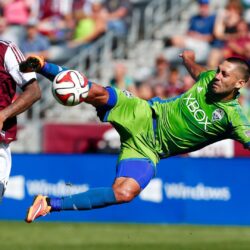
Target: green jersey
{"x": 192, "y": 121}
{"x": 161, "y": 128}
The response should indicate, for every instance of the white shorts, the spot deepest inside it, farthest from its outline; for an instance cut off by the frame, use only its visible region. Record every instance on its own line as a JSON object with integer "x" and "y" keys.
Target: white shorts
{"x": 5, "y": 165}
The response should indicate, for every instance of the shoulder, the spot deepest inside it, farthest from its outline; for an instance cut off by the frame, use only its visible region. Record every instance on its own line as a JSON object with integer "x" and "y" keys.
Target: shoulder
{"x": 13, "y": 52}
{"x": 4, "y": 45}
{"x": 207, "y": 75}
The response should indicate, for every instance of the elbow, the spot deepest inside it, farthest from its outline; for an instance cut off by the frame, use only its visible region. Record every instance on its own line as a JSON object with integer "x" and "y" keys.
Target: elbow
{"x": 37, "y": 96}
{"x": 32, "y": 91}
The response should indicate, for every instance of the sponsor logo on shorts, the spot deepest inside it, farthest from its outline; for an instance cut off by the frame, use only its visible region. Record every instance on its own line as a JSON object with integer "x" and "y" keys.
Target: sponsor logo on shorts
{"x": 217, "y": 115}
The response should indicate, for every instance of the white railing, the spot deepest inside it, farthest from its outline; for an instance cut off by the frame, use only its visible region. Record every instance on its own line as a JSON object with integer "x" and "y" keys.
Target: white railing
{"x": 161, "y": 11}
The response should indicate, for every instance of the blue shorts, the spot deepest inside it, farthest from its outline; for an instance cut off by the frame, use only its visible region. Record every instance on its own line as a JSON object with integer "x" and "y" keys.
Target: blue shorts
{"x": 141, "y": 170}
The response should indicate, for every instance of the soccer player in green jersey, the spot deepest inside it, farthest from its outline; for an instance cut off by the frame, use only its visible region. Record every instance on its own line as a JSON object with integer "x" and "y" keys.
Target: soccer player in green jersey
{"x": 155, "y": 129}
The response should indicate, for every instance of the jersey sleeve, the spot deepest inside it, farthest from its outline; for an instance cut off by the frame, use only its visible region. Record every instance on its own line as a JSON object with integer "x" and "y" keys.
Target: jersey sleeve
{"x": 13, "y": 57}
{"x": 241, "y": 128}
{"x": 205, "y": 77}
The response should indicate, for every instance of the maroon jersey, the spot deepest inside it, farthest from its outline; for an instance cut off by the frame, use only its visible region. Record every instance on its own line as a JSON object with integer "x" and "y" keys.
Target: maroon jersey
{"x": 10, "y": 78}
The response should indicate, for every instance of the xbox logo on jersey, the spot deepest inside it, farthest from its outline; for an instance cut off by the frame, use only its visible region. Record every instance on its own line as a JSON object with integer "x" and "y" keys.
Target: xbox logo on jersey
{"x": 199, "y": 115}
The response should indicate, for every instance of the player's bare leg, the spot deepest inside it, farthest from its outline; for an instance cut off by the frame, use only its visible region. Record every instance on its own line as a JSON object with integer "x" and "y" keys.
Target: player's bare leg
{"x": 126, "y": 189}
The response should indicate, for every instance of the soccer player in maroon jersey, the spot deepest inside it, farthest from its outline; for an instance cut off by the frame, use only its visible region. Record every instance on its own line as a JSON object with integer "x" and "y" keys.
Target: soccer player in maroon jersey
{"x": 10, "y": 79}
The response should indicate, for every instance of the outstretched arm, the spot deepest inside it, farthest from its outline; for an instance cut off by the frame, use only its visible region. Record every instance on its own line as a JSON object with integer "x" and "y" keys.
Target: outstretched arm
{"x": 193, "y": 68}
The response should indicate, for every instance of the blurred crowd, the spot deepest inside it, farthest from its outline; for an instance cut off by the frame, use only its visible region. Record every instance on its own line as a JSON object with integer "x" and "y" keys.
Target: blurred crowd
{"x": 57, "y": 28}
{"x": 216, "y": 35}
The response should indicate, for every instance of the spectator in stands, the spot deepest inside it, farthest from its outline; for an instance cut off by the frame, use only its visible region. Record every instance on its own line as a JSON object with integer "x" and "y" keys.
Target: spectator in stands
{"x": 34, "y": 42}
{"x": 1, "y": 8}
{"x": 199, "y": 35}
{"x": 239, "y": 46}
{"x": 58, "y": 24}
{"x": 174, "y": 83}
{"x": 55, "y": 19}
{"x": 77, "y": 5}
{"x": 87, "y": 29}
{"x": 225, "y": 28}
{"x": 5, "y": 33}
{"x": 91, "y": 27}
{"x": 122, "y": 80}
{"x": 187, "y": 83}
{"x": 144, "y": 91}
{"x": 159, "y": 79}
{"x": 246, "y": 10}
{"x": 227, "y": 20}
{"x": 118, "y": 16}
{"x": 16, "y": 14}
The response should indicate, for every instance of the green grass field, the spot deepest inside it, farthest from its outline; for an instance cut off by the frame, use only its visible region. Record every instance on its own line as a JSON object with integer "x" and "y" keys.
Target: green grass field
{"x": 74, "y": 236}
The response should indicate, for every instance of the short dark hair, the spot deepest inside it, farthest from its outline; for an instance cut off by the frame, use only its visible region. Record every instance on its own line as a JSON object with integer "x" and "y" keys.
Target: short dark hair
{"x": 243, "y": 66}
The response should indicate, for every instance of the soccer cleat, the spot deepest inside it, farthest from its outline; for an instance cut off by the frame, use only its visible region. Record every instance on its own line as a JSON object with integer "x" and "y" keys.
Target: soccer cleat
{"x": 39, "y": 208}
{"x": 32, "y": 64}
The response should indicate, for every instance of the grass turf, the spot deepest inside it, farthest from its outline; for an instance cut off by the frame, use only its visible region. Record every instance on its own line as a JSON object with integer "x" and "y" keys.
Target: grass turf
{"x": 76, "y": 236}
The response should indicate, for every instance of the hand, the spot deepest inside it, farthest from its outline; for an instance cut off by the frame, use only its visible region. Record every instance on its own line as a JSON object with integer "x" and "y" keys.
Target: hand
{"x": 193, "y": 68}
{"x": 33, "y": 63}
{"x": 187, "y": 55}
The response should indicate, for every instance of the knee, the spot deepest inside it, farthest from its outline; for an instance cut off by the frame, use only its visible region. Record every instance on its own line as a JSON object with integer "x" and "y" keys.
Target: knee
{"x": 124, "y": 195}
